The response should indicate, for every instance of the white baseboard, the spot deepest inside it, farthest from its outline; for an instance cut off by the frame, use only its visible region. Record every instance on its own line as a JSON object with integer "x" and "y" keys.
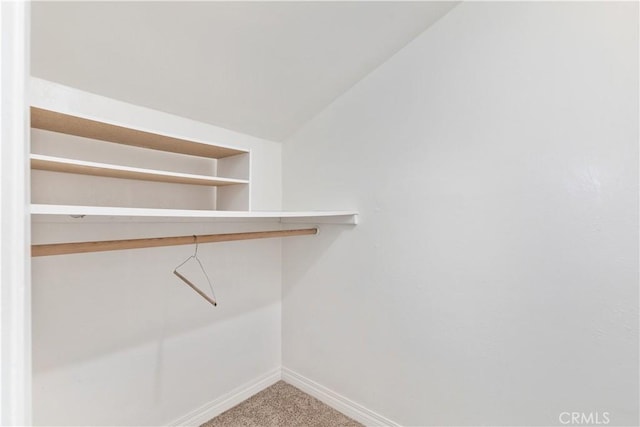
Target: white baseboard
{"x": 336, "y": 401}
{"x": 229, "y": 400}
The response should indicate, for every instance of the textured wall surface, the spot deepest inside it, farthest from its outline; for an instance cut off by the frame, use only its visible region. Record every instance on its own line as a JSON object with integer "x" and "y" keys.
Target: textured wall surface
{"x": 493, "y": 279}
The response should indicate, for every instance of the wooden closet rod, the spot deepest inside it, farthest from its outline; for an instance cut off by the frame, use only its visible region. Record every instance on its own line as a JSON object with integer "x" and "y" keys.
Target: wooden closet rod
{"x": 114, "y": 245}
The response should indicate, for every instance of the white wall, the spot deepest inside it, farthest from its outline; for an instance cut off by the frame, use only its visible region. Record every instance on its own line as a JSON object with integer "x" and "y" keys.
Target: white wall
{"x": 15, "y": 289}
{"x": 493, "y": 279}
{"x": 117, "y": 339}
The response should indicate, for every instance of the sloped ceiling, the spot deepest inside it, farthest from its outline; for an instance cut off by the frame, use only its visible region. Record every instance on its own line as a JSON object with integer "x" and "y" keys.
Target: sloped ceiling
{"x": 261, "y": 68}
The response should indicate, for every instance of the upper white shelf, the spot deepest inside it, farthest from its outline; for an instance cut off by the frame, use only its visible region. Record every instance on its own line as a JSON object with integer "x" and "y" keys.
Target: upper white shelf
{"x": 103, "y": 131}
{"x": 58, "y": 164}
{"x": 43, "y": 213}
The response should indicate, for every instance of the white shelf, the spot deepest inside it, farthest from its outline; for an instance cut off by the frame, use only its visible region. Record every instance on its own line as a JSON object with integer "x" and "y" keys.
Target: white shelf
{"x": 103, "y": 131}
{"x": 66, "y": 213}
{"x": 58, "y": 164}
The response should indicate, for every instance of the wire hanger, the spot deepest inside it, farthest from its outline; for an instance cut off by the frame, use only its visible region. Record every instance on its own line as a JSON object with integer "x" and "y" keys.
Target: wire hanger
{"x": 211, "y": 299}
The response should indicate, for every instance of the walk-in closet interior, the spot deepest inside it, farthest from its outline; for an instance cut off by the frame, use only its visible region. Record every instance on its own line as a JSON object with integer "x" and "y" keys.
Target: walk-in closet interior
{"x": 417, "y": 213}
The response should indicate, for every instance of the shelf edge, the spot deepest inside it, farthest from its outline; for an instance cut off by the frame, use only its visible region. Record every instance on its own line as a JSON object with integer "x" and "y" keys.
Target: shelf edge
{"x": 82, "y": 167}
{"x": 120, "y": 213}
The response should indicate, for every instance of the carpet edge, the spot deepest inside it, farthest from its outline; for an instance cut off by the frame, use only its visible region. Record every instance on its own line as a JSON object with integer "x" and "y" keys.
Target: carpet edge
{"x": 228, "y": 400}
{"x": 336, "y": 401}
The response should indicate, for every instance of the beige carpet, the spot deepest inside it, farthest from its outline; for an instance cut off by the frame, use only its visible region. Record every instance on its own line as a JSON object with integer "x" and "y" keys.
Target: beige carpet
{"x": 281, "y": 405}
